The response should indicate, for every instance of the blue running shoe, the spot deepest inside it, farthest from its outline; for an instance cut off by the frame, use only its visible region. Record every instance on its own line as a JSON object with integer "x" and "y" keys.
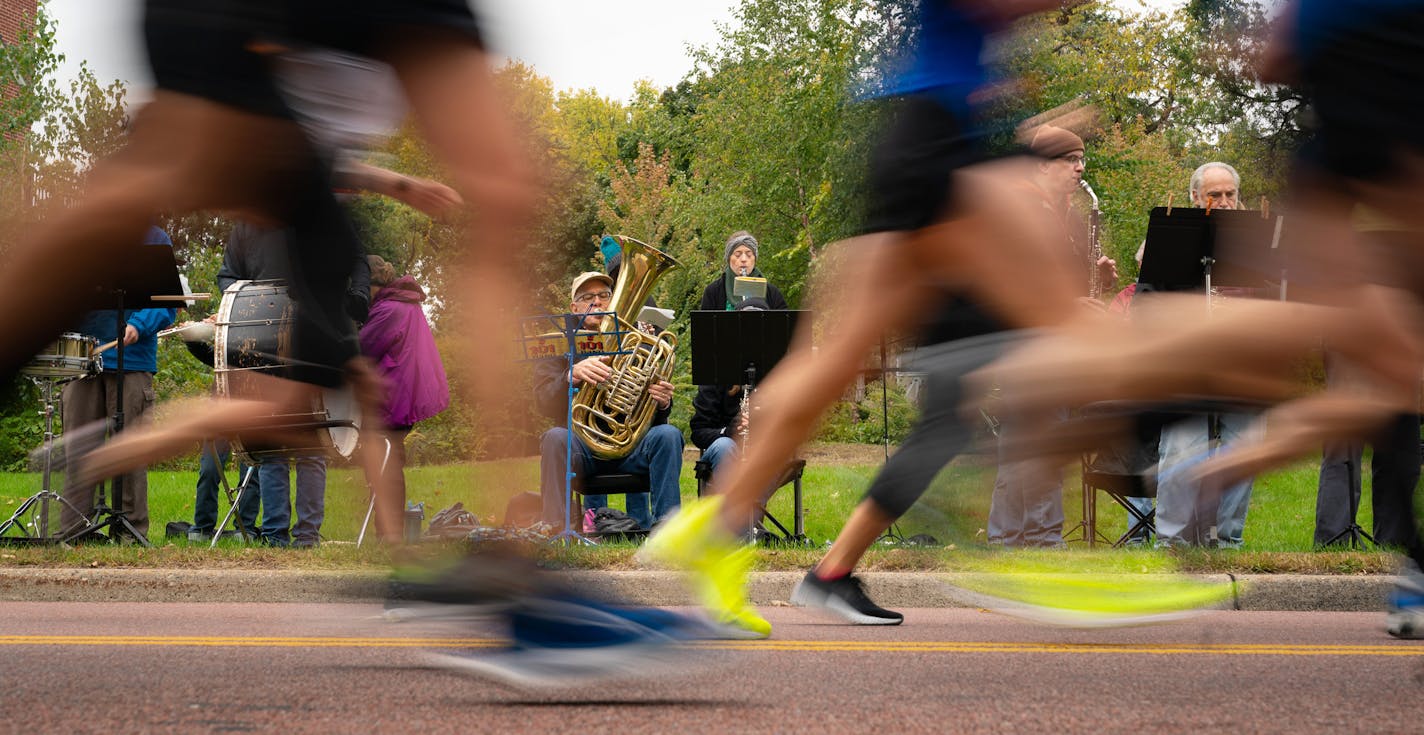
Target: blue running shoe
{"x": 566, "y": 641}
{"x": 1405, "y": 603}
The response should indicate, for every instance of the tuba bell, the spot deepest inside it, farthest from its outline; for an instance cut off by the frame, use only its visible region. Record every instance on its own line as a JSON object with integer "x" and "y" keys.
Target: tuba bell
{"x": 612, "y": 417}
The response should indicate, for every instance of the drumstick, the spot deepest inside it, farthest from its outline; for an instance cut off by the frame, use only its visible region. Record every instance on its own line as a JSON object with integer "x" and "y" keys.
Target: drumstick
{"x": 102, "y": 347}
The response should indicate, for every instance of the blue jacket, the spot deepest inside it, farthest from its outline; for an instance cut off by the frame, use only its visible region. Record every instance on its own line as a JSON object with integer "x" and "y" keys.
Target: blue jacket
{"x": 141, "y": 356}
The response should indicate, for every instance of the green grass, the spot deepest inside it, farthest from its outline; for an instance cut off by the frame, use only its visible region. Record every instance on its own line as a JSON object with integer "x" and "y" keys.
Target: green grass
{"x": 1279, "y": 525}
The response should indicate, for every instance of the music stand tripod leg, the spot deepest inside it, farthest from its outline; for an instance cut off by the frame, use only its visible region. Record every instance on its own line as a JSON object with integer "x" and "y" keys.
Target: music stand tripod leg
{"x": 1354, "y": 537}
{"x": 371, "y": 505}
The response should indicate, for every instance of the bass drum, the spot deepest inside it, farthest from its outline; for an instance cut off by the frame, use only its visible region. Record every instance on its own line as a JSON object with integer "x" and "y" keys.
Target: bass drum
{"x": 252, "y": 336}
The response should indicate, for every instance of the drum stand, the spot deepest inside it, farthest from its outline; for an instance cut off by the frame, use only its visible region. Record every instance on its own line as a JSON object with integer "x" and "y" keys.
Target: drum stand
{"x": 234, "y": 499}
{"x": 45, "y": 496}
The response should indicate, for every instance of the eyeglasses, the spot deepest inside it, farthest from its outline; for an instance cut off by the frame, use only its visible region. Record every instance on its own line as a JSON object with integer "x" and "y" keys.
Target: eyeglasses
{"x": 1074, "y": 160}
{"x": 591, "y": 296}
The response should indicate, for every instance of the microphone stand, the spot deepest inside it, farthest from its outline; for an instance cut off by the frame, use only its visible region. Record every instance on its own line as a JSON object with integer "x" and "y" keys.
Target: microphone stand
{"x": 892, "y": 534}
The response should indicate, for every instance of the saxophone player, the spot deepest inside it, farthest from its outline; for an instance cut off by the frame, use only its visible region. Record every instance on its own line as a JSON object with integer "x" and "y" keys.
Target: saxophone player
{"x": 1027, "y": 504}
{"x": 658, "y": 454}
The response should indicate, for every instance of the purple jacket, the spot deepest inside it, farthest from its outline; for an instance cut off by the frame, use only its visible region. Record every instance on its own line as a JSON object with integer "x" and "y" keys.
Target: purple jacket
{"x": 397, "y": 337}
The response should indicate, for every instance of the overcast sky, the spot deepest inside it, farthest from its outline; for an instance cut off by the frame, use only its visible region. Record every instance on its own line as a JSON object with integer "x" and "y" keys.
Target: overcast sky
{"x": 607, "y": 45}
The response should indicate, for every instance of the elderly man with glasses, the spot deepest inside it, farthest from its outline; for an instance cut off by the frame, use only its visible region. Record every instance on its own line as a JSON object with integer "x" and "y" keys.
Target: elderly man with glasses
{"x": 658, "y": 454}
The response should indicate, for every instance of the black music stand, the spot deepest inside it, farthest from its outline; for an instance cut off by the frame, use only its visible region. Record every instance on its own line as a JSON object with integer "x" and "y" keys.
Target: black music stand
{"x": 741, "y": 348}
{"x": 143, "y": 276}
{"x": 1204, "y": 250}
{"x": 1197, "y": 249}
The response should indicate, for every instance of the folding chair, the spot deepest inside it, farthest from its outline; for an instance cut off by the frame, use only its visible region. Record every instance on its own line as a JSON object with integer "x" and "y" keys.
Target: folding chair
{"x": 1119, "y": 487}
{"x": 790, "y": 475}
{"x": 1125, "y": 469}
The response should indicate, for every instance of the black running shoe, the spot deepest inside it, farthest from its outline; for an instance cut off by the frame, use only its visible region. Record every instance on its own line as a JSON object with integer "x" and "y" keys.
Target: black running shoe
{"x": 845, "y": 597}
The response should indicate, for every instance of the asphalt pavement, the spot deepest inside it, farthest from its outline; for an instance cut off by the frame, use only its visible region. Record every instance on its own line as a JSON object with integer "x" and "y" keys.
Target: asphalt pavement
{"x": 320, "y": 667}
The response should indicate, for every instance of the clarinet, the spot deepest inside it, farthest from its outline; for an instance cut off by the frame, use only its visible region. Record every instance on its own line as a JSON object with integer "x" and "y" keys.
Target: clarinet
{"x": 746, "y": 406}
{"x": 1095, "y": 248}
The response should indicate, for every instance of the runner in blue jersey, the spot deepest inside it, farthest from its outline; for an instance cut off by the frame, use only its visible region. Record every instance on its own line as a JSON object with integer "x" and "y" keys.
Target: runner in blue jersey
{"x": 944, "y": 224}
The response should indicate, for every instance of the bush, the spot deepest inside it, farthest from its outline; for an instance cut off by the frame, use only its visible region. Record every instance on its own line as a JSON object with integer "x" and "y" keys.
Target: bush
{"x": 863, "y": 423}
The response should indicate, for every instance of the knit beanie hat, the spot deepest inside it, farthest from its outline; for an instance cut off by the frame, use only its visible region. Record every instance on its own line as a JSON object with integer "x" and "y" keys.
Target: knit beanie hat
{"x": 610, "y": 248}
{"x": 737, "y": 240}
{"x": 1052, "y": 142}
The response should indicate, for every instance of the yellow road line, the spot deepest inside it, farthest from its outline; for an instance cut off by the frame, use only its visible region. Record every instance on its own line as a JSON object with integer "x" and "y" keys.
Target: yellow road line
{"x": 1213, "y": 649}
{"x": 245, "y": 642}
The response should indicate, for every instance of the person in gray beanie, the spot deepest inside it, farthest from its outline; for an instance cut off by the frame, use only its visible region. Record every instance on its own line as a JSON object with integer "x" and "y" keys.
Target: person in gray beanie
{"x": 739, "y": 258}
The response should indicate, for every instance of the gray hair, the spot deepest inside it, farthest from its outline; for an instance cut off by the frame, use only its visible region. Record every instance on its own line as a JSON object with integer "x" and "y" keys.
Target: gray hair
{"x": 1201, "y": 172}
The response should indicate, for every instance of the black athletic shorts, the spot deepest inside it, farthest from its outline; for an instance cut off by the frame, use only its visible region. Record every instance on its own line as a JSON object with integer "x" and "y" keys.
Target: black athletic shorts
{"x": 202, "y": 48}
{"x": 367, "y": 27}
{"x": 205, "y": 48}
{"x": 1364, "y": 80}
{"x": 911, "y": 168}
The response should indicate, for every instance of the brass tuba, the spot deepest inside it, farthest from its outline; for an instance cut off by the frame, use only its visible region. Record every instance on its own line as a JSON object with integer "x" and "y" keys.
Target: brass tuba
{"x": 612, "y": 417}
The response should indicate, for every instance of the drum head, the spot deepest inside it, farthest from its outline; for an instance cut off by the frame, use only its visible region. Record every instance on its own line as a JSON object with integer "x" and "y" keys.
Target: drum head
{"x": 252, "y": 332}
{"x": 340, "y": 404}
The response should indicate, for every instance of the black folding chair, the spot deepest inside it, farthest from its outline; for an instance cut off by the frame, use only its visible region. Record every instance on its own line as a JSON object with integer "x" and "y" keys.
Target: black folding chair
{"x": 1125, "y": 469}
{"x": 790, "y": 475}
{"x": 1119, "y": 487}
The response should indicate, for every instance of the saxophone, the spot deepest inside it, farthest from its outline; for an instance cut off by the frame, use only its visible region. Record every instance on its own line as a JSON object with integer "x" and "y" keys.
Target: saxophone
{"x": 612, "y": 417}
{"x": 1095, "y": 245}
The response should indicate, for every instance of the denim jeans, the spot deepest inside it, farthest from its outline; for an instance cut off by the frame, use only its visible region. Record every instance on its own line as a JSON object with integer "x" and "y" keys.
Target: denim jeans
{"x": 658, "y": 455}
{"x": 277, "y": 528}
{"x": 723, "y": 449}
{"x": 1184, "y": 513}
{"x": 1026, "y": 508}
{"x": 205, "y": 501}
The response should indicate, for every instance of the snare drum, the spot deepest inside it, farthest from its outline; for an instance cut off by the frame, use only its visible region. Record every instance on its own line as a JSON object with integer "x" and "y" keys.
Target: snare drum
{"x": 70, "y": 357}
{"x": 252, "y": 335}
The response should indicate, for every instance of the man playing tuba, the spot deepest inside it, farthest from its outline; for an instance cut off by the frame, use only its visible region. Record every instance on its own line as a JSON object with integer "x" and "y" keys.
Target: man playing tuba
{"x": 658, "y": 454}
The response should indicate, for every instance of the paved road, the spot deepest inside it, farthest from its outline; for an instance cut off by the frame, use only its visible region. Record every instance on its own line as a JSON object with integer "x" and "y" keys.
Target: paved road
{"x": 203, "y": 667}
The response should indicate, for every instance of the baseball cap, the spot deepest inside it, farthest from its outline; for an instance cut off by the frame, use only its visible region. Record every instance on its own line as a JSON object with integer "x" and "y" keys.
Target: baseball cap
{"x": 585, "y": 277}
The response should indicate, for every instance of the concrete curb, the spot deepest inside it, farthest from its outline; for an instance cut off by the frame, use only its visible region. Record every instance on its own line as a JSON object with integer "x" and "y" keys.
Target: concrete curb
{"x": 1285, "y": 592}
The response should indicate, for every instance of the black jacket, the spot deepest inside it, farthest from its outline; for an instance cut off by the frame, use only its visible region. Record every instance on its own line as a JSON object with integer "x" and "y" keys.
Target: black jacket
{"x": 714, "y": 297}
{"x": 260, "y": 254}
{"x": 713, "y": 412}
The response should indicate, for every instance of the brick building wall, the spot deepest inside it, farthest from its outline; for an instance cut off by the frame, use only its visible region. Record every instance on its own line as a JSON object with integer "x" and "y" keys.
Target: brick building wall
{"x": 15, "y": 15}
{"x": 12, "y": 14}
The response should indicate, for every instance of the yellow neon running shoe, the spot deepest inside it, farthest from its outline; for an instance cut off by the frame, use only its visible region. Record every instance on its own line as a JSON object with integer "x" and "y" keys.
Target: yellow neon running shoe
{"x": 719, "y": 566}
{"x": 688, "y": 537}
{"x": 721, "y": 585}
{"x": 1094, "y": 600}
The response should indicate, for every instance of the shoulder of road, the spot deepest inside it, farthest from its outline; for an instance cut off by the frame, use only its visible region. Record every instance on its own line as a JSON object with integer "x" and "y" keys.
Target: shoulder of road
{"x": 1284, "y": 592}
